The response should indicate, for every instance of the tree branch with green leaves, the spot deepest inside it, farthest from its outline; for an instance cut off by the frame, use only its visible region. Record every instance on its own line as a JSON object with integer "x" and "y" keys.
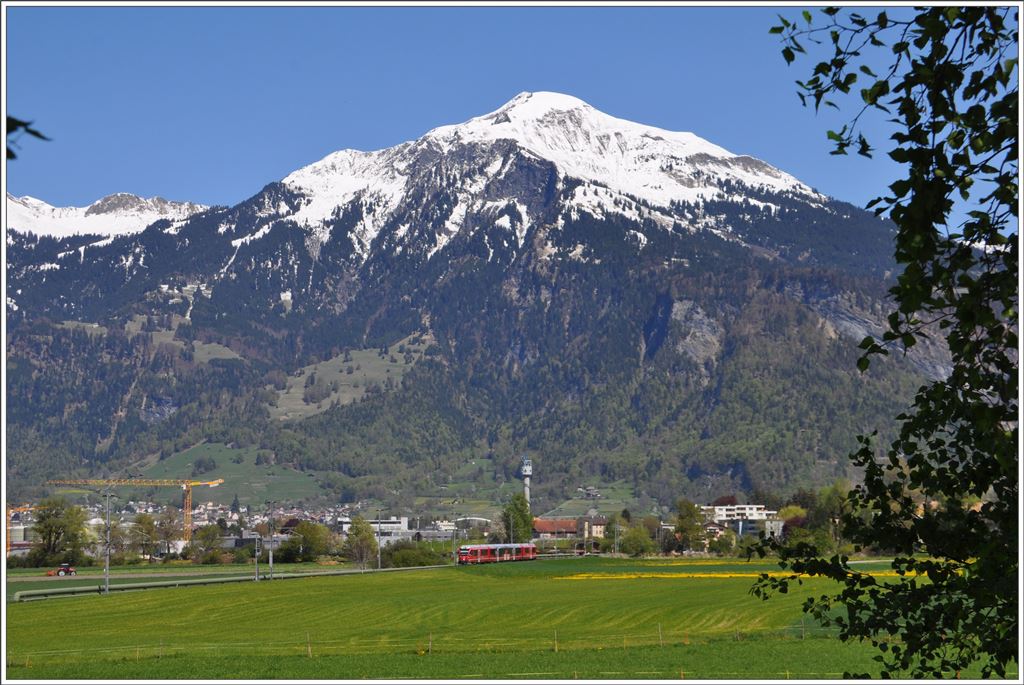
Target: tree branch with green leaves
{"x": 943, "y": 497}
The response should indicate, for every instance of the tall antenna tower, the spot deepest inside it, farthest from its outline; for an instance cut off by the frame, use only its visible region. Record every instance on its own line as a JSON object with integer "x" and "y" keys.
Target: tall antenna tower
{"x": 526, "y": 470}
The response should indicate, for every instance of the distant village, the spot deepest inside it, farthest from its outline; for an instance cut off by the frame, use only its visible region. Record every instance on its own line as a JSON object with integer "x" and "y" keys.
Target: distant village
{"x": 273, "y": 526}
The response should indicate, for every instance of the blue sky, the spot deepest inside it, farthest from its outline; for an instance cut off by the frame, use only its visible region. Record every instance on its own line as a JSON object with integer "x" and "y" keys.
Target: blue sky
{"x": 210, "y": 104}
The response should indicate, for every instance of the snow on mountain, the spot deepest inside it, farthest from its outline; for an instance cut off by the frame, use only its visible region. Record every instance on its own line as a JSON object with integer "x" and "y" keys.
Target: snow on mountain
{"x": 337, "y": 178}
{"x": 650, "y": 163}
{"x": 114, "y": 215}
{"x": 615, "y": 158}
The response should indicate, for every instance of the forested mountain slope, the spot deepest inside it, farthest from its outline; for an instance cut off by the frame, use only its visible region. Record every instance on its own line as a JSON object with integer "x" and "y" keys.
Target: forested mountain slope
{"x": 619, "y": 301}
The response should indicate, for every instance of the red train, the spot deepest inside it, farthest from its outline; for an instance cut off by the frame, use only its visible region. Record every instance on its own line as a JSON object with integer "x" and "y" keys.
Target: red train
{"x": 485, "y": 554}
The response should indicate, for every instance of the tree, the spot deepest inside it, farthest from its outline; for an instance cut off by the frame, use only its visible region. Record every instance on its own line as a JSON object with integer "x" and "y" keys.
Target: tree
{"x": 793, "y": 512}
{"x": 636, "y": 541}
{"x": 168, "y": 527}
{"x": 611, "y": 528}
{"x": 307, "y": 541}
{"x": 689, "y": 525}
{"x": 119, "y": 539}
{"x": 144, "y": 534}
{"x": 206, "y": 543}
{"x": 60, "y": 533}
{"x": 517, "y": 520}
{"x": 407, "y": 553}
{"x": 361, "y": 544}
{"x": 724, "y": 544}
{"x": 950, "y": 86}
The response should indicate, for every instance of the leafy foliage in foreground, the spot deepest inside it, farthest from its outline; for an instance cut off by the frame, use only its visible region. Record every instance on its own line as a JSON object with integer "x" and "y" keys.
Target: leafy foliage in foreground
{"x": 948, "y": 485}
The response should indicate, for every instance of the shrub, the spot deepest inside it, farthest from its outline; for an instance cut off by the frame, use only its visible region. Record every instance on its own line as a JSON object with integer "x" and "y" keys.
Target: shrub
{"x": 405, "y": 553}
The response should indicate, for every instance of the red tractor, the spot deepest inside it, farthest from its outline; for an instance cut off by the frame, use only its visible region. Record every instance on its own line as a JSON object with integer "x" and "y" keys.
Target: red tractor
{"x": 62, "y": 570}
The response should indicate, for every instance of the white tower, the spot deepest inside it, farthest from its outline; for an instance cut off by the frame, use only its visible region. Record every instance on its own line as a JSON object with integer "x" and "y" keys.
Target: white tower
{"x": 527, "y": 470}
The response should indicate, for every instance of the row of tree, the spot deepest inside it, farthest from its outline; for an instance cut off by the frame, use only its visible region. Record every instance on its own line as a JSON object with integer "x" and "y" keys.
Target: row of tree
{"x": 61, "y": 534}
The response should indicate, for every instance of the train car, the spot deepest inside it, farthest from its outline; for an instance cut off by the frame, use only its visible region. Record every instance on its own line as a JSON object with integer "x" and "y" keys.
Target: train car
{"x": 485, "y": 554}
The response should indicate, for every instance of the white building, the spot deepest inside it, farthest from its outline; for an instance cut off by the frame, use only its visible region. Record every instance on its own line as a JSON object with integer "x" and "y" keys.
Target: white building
{"x": 736, "y": 512}
{"x": 745, "y": 519}
{"x": 383, "y": 528}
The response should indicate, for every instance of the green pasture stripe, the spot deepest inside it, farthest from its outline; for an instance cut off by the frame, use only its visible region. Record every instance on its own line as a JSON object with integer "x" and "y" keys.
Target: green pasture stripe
{"x": 811, "y": 659}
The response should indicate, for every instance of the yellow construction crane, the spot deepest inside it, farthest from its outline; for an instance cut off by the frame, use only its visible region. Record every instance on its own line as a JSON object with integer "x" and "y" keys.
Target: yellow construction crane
{"x": 10, "y": 512}
{"x": 185, "y": 485}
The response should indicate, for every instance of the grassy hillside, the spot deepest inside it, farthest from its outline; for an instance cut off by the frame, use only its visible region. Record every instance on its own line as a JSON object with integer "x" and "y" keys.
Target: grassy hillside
{"x": 347, "y": 377}
{"x": 204, "y": 351}
{"x": 253, "y": 483}
{"x": 614, "y": 498}
{"x": 609, "y": 617}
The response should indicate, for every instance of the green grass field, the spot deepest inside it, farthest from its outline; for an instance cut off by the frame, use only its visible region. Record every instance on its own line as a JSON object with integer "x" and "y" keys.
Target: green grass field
{"x": 583, "y": 617}
{"x": 242, "y": 476}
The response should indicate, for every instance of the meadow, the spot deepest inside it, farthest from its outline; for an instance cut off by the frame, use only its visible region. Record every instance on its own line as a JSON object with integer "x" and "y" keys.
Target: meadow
{"x": 352, "y": 376}
{"x": 561, "y": 618}
{"x": 252, "y": 482}
{"x": 203, "y": 352}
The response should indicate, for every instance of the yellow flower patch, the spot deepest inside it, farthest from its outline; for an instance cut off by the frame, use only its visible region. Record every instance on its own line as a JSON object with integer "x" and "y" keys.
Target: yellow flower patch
{"x": 687, "y": 576}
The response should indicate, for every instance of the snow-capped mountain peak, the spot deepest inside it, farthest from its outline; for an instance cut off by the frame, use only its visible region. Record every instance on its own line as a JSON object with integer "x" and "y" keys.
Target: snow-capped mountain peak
{"x": 649, "y": 162}
{"x": 624, "y": 158}
{"x": 117, "y": 214}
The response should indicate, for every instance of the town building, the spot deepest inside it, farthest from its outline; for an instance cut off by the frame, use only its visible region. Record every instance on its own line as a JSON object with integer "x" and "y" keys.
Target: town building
{"x": 744, "y": 519}
{"x": 554, "y": 529}
{"x": 591, "y": 526}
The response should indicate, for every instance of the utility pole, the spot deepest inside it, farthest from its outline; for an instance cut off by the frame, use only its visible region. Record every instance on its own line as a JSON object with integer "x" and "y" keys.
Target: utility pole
{"x": 455, "y": 528}
{"x": 256, "y": 555}
{"x": 270, "y": 529}
{"x": 378, "y": 539}
{"x": 270, "y": 552}
{"x": 106, "y": 562}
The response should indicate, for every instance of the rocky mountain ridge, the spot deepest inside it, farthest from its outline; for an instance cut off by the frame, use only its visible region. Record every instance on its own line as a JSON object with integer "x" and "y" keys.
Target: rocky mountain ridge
{"x": 113, "y": 215}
